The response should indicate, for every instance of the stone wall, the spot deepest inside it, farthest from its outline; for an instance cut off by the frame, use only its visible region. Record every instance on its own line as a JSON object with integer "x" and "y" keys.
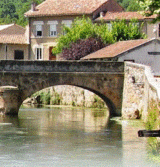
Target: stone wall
{"x": 71, "y": 95}
{"x": 140, "y": 87}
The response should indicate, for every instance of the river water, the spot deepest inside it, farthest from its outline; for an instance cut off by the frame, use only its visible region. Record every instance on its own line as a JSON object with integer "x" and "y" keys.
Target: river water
{"x": 70, "y": 137}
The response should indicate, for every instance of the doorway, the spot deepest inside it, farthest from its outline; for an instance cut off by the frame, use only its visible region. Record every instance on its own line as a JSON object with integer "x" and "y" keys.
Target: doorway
{"x": 51, "y": 55}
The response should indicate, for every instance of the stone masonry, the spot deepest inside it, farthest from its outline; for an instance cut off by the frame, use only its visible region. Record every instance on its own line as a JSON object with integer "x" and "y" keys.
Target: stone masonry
{"x": 140, "y": 87}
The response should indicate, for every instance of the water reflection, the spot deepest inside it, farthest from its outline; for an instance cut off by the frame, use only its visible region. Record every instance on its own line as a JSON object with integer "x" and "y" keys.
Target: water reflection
{"x": 69, "y": 137}
{"x": 68, "y": 119}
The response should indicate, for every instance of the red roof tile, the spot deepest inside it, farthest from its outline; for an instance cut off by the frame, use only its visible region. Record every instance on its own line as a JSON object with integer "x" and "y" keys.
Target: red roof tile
{"x": 13, "y": 34}
{"x": 111, "y": 16}
{"x": 116, "y": 49}
{"x": 65, "y": 7}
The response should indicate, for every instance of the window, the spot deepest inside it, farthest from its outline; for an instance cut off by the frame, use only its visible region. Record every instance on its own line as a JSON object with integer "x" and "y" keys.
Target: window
{"x": 39, "y": 54}
{"x": 67, "y": 23}
{"x": 18, "y": 54}
{"x": 109, "y": 25}
{"x": 53, "y": 28}
{"x": 38, "y": 30}
{"x": 38, "y": 27}
{"x": 53, "y": 31}
{"x": 136, "y": 24}
{"x": 154, "y": 53}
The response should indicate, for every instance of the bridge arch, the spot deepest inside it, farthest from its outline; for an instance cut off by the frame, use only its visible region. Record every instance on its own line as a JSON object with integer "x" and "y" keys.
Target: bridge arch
{"x": 94, "y": 84}
{"x": 107, "y": 101}
{"x": 102, "y": 78}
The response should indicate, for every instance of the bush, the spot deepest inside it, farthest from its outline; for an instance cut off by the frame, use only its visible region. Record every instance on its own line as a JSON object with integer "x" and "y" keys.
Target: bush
{"x": 84, "y": 37}
{"x": 82, "y": 48}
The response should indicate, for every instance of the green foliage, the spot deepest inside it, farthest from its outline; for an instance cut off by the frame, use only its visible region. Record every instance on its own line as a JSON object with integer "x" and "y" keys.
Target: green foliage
{"x": 153, "y": 146}
{"x": 98, "y": 102}
{"x": 152, "y": 120}
{"x": 130, "y": 5}
{"x": 104, "y": 32}
{"x": 151, "y": 7}
{"x": 56, "y": 100}
{"x": 153, "y": 123}
{"x": 123, "y": 31}
{"x": 85, "y": 29}
{"x": 80, "y": 29}
{"x": 45, "y": 97}
{"x": 13, "y": 11}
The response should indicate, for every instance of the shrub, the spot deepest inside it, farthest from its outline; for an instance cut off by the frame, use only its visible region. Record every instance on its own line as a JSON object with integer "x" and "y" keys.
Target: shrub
{"x": 82, "y": 48}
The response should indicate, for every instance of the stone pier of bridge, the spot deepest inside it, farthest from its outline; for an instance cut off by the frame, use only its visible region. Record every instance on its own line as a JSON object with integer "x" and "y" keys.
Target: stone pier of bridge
{"x": 21, "y": 79}
{"x": 10, "y": 100}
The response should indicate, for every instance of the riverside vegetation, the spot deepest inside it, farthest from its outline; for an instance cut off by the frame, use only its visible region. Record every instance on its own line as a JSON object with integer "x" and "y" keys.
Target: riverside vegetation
{"x": 153, "y": 123}
{"x": 47, "y": 97}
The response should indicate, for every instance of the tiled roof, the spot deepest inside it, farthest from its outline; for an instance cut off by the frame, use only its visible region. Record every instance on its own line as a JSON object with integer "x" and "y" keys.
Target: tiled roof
{"x": 110, "y": 16}
{"x": 5, "y": 26}
{"x": 65, "y": 7}
{"x": 116, "y": 49}
{"x": 13, "y": 34}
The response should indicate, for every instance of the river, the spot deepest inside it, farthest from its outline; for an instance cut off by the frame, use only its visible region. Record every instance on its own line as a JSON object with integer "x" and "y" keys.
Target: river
{"x": 70, "y": 137}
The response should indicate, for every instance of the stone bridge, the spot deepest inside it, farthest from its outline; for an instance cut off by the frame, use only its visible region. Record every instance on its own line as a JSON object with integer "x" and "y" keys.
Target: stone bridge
{"x": 21, "y": 79}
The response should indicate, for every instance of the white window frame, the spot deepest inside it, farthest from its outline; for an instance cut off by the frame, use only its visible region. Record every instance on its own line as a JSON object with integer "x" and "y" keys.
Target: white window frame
{"x": 136, "y": 24}
{"x": 109, "y": 25}
{"x": 53, "y": 28}
{"x": 39, "y": 56}
{"x": 39, "y": 27}
{"x": 67, "y": 23}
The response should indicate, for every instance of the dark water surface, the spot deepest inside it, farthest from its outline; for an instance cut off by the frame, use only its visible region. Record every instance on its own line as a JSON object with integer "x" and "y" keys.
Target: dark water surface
{"x": 67, "y": 137}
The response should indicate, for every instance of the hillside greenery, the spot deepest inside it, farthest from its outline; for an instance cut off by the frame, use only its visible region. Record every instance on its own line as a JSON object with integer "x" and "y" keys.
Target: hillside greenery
{"x": 13, "y": 10}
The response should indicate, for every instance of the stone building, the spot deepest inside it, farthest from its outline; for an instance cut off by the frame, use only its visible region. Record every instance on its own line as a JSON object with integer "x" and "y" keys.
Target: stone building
{"x": 46, "y": 21}
{"x": 151, "y": 30}
{"x": 142, "y": 51}
{"x": 13, "y": 42}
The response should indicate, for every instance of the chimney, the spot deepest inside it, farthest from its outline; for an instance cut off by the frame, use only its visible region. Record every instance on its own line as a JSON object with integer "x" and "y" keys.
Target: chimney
{"x": 33, "y": 6}
{"x": 155, "y": 30}
{"x": 101, "y": 14}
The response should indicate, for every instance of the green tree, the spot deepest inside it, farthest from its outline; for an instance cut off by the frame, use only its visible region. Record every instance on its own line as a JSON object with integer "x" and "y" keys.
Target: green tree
{"x": 123, "y": 31}
{"x": 83, "y": 29}
{"x": 131, "y": 5}
{"x": 13, "y": 11}
{"x": 151, "y": 7}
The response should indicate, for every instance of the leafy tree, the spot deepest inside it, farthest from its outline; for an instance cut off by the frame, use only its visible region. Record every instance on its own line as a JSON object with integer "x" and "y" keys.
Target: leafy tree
{"x": 81, "y": 48}
{"x": 84, "y": 37}
{"x": 80, "y": 29}
{"x": 123, "y": 31}
{"x": 151, "y": 7}
{"x": 13, "y": 11}
{"x": 8, "y": 9}
{"x": 130, "y": 5}
{"x": 133, "y": 6}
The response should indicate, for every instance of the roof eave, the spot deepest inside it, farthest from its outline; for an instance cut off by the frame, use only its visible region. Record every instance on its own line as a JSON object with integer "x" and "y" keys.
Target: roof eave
{"x": 63, "y": 14}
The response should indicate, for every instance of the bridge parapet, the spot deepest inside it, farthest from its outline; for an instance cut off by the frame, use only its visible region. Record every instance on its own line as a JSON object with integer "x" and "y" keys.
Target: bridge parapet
{"x": 61, "y": 66}
{"x": 102, "y": 78}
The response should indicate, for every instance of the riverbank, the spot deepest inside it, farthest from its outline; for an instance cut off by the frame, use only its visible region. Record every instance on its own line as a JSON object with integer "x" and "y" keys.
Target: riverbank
{"x": 66, "y": 95}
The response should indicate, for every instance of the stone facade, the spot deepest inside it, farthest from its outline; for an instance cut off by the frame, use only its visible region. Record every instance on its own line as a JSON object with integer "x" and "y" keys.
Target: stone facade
{"x": 102, "y": 78}
{"x": 140, "y": 87}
